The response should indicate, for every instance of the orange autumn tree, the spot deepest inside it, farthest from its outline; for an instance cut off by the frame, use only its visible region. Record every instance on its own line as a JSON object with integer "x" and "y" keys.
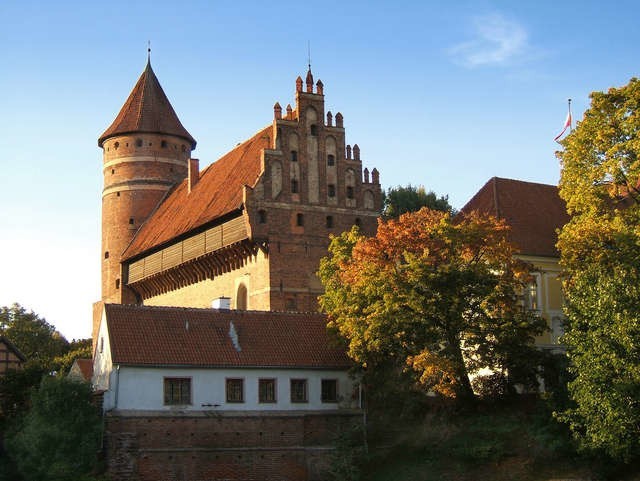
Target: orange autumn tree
{"x": 433, "y": 294}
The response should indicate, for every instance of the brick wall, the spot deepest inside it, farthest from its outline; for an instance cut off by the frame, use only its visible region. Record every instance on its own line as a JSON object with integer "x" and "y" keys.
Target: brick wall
{"x": 229, "y": 447}
{"x": 254, "y": 275}
{"x": 138, "y": 170}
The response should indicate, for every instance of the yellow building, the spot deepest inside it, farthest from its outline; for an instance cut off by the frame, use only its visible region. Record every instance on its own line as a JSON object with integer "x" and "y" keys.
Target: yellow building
{"x": 535, "y": 213}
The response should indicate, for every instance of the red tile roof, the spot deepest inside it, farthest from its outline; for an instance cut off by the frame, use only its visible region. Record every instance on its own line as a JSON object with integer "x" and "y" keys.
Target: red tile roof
{"x": 86, "y": 368}
{"x": 218, "y": 192}
{"x": 178, "y": 336}
{"x": 147, "y": 110}
{"x": 534, "y": 212}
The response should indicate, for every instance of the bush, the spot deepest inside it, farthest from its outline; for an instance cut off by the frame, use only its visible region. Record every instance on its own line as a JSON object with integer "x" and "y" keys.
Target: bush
{"x": 59, "y": 438}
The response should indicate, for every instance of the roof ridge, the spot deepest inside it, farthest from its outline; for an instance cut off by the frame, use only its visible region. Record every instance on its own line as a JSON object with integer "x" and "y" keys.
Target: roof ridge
{"x": 524, "y": 181}
{"x": 213, "y": 309}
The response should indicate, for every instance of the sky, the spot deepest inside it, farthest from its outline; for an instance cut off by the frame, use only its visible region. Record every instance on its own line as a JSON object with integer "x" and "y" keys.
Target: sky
{"x": 440, "y": 94}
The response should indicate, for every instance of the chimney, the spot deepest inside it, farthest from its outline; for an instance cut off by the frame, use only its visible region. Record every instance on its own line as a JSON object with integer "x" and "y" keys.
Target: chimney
{"x": 194, "y": 173}
{"x": 221, "y": 303}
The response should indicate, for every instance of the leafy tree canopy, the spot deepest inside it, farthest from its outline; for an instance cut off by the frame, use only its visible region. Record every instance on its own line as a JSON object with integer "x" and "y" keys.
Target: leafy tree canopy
{"x": 600, "y": 254}
{"x": 433, "y": 294}
{"x": 33, "y": 335}
{"x": 400, "y": 200}
{"x": 59, "y": 438}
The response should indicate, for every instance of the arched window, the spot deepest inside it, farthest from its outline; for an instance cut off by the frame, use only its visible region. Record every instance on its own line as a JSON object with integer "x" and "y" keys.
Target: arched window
{"x": 241, "y": 298}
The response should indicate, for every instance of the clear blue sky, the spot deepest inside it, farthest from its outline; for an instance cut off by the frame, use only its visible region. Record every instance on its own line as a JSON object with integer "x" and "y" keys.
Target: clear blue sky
{"x": 444, "y": 96}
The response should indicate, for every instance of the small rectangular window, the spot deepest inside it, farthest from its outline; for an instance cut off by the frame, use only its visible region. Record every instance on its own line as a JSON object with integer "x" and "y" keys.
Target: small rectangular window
{"x": 349, "y": 192}
{"x": 329, "y": 391}
{"x": 235, "y": 390}
{"x": 291, "y": 304}
{"x": 329, "y": 221}
{"x": 294, "y": 155}
{"x": 331, "y": 159}
{"x": 531, "y": 296}
{"x": 299, "y": 220}
{"x": 331, "y": 190}
{"x": 299, "y": 391}
{"x": 294, "y": 186}
{"x": 267, "y": 390}
{"x": 177, "y": 391}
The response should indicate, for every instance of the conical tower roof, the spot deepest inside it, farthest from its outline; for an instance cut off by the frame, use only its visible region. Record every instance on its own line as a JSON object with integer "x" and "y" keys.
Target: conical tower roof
{"x": 147, "y": 110}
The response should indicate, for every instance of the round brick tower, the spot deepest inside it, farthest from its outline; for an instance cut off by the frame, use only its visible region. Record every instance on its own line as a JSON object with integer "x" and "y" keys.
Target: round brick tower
{"x": 146, "y": 151}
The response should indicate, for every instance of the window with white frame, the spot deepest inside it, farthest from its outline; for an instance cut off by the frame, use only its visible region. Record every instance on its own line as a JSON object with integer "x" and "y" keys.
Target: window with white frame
{"x": 531, "y": 296}
{"x": 235, "y": 390}
{"x": 177, "y": 391}
{"x": 299, "y": 391}
{"x": 329, "y": 391}
{"x": 267, "y": 390}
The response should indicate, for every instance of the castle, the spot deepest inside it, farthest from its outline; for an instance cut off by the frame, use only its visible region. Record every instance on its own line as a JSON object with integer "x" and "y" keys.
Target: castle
{"x": 175, "y": 235}
{"x": 208, "y": 348}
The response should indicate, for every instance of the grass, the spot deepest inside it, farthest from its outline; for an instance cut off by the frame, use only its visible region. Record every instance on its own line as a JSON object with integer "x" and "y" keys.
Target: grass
{"x": 496, "y": 442}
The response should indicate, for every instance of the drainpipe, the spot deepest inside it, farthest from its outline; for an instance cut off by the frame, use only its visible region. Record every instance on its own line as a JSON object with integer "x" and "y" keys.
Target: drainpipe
{"x": 115, "y": 401}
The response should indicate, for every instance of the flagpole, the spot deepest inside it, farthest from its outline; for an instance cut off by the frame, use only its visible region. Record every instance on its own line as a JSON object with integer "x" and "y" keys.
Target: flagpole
{"x": 570, "y": 117}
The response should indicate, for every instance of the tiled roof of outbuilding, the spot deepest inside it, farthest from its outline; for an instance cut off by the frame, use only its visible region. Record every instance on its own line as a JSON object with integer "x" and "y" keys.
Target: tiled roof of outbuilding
{"x": 534, "y": 212}
{"x": 147, "y": 110}
{"x": 178, "y": 336}
{"x": 218, "y": 192}
{"x": 86, "y": 368}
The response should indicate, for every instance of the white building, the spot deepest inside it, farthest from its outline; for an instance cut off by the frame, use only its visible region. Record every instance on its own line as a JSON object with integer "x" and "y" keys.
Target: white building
{"x": 187, "y": 359}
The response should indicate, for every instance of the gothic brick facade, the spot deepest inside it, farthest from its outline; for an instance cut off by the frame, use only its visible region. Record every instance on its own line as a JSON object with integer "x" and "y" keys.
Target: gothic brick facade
{"x": 252, "y": 226}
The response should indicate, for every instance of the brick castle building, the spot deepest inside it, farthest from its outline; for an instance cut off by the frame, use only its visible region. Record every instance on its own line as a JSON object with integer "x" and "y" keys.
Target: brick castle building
{"x": 260, "y": 390}
{"x": 252, "y": 226}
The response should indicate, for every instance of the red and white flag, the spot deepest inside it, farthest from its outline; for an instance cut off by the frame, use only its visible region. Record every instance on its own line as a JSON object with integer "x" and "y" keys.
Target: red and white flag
{"x": 567, "y": 124}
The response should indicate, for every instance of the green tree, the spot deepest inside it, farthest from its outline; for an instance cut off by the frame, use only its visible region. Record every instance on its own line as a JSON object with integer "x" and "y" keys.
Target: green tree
{"x": 78, "y": 349}
{"x": 400, "y": 200}
{"x": 58, "y": 440}
{"x": 33, "y": 335}
{"x": 600, "y": 254}
{"x": 433, "y": 294}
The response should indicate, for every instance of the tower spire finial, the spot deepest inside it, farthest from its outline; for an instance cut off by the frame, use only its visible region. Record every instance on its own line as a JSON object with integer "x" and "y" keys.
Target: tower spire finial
{"x": 148, "y": 51}
{"x": 309, "y": 54}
